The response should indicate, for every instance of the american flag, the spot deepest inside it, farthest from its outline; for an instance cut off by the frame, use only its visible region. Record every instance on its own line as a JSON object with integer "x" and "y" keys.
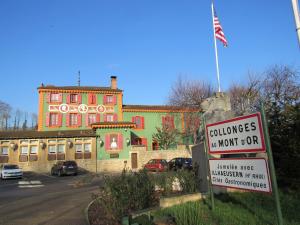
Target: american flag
{"x": 218, "y": 30}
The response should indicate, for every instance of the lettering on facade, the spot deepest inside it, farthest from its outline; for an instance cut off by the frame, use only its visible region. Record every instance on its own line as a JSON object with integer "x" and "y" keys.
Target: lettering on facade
{"x": 242, "y": 134}
{"x": 82, "y": 108}
{"x": 243, "y": 173}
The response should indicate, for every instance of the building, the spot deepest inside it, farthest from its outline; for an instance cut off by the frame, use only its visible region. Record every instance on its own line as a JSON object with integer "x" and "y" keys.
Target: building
{"x": 92, "y": 126}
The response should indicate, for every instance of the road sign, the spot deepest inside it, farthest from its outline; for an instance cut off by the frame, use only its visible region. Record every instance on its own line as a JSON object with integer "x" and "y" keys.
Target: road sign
{"x": 241, "y": 173}
{"x": 238, "y": 135}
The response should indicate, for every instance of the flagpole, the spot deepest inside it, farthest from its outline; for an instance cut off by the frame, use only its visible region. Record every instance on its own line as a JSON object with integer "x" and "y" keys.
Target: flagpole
{"x": 216, "y": 49}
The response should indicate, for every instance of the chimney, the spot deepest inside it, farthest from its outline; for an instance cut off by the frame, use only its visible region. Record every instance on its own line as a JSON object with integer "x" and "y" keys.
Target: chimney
{"x": 113, "y": 84}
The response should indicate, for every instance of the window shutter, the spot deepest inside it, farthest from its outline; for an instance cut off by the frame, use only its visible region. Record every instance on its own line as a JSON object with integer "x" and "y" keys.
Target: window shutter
{"x": 79, "y": 98}
{"x": 163, "y": 120}
{"x": 97, "y": 118}
{"x": 105, "y": 118}
{"x": 48, "y": 97}
{"x": 60, "y": 96}
{"x": 107, "y": 142}
{"x": 104, "y": 99}
{"x": 68, "y": 119}
{"x": 87, "y": 120}
{"x": 120, "y": 141}
{"x": 90, "y": 98}
{"x": 144, "y": 142}
{"x": 68, "y": 99}
{"x": 143, "y": 122}
{"x": 133, "y": 119}
{"x": 172, "y": 121}
{"x": 47, "y": 119}
{"x": 114, "y": 99}
{"x": 79, "y": 122}
{"x": 59, "y": 119}
{"x": 115, "y": 117}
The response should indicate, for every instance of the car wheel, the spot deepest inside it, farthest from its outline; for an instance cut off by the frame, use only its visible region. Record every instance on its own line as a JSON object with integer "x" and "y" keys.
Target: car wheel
{"x": 52, "y": 172}
{"x": 75, "y": 174}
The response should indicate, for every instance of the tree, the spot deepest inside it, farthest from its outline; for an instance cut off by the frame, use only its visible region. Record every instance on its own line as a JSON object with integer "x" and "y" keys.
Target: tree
{"x": 5, "y": 114}
{"x": 190, "y": 94}
{"x": 281, "y": 95}
{"x": 166, "y": 137}
{"x": 245, "y": 98}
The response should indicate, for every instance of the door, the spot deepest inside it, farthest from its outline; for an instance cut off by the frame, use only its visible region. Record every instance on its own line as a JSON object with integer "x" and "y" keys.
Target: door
{"x": 134, "y": 164}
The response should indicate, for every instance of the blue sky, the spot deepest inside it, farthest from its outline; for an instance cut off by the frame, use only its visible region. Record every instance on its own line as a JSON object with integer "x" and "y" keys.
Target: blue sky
{"x": 147, "y": 44}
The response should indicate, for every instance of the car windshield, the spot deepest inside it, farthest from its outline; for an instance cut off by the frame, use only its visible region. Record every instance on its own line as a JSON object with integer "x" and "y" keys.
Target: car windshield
{"x": 11, "y": 167}
{"x": 70, "y": 163}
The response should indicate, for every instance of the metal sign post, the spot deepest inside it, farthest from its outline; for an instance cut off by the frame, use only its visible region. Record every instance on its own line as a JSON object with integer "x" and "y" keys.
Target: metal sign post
{"x": 271, "y": 164}
{"x": 211, "y": 192}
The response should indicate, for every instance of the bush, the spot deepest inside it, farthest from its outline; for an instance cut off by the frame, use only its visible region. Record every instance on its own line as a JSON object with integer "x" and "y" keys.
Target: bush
{"x": 129, "y": 192}
{"x": 166, "y": 182}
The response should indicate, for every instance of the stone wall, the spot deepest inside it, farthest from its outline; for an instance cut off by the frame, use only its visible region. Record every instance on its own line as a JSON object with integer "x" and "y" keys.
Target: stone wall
{"x": 144, "y": 156}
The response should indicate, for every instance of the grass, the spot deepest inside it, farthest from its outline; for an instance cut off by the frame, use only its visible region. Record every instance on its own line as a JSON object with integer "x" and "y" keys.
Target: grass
{"x": 236, "y": 209}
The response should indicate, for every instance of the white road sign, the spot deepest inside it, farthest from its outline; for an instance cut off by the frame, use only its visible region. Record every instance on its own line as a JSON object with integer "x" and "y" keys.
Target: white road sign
{"x": 241, "y": 134}
{"x": 242, "y": 173}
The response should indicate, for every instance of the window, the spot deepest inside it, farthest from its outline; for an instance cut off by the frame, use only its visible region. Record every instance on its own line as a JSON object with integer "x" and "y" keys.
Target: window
{"x": 92, "y": 118}
{"x": 73, "y": 98}
{"x": 60, "y": 148}
{"x": 92, "y": 99}
{"x": 53, "y": 119}
{"x": 78, "y": 147}
{"x": 24, "y": 150}
{"x": 168, "y": 121}
{"x": 52, "y": 149}
{"x": 33, "y": 149}
{"x": 139, "y": 121}
{"x": 109, "y": 117}
{"x": 87, "y": 147}
{"x": 110, "y": 99}
{"x": 73, "y": 119}
{"x": 4, "y": 150}
{"x": 113, "y": 141}
{"x": 55, "y": 97}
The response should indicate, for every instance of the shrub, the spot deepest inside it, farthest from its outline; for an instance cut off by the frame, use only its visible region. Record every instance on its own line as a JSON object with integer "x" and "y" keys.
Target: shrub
{"x": 129, "y": 192}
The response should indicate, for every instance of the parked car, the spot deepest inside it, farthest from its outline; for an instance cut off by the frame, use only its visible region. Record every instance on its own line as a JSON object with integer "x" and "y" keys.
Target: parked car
{"x": 10, "y": 171}
{"x": 157, "y": 165}
{"x": 180, "y": 163}
{"x": 64, "y": 168}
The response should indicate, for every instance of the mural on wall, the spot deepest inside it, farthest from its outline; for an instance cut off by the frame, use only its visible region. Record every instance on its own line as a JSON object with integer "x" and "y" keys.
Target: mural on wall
{"x": 82, "y": 108}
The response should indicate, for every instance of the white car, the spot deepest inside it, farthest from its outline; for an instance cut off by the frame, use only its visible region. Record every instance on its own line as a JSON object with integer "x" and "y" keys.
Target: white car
{"x": 10, "y": 171}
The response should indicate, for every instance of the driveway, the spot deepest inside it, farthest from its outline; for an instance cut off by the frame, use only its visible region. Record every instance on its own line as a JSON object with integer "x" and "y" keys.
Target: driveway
{"x": 42, "y": 199}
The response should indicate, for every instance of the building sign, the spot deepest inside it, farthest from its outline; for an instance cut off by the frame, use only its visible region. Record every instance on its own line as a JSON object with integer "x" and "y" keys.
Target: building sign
{"x": 242, "y": 173}
{"x": 82, "y": 108}
{"x": 241, "y": 134}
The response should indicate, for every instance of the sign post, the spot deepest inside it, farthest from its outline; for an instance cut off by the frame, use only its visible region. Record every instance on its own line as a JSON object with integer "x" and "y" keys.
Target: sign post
{"x": 272, "y": 167}
{"x": 207, "y": 167}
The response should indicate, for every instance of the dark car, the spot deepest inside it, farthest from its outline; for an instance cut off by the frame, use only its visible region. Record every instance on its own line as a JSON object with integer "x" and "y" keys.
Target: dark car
{"x": 180, "y": 163}
{"x": 157, "y": 165}
{"x": 64, "y": 168}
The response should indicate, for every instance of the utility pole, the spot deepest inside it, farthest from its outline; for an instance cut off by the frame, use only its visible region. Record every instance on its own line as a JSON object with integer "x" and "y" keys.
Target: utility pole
{"x": 297, "y": 17}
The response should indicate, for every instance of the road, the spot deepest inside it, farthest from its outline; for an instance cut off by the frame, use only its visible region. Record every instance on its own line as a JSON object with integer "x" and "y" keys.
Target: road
{"x": 39, "y": 199}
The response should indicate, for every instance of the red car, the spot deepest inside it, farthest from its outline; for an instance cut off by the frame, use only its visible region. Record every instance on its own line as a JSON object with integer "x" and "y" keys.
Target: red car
{"x": 157, "y": 165}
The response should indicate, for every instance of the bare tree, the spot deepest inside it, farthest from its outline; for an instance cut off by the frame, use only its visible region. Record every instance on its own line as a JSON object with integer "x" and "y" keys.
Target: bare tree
{"x": 245, "y": 98}
{"x": 187, "y": 93}
{"x": 5, "y": 114}
{"x": 33, "y": 120}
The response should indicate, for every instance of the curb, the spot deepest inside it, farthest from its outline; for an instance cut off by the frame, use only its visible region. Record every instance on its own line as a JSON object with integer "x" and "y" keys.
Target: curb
{"x": 86, "y": 212}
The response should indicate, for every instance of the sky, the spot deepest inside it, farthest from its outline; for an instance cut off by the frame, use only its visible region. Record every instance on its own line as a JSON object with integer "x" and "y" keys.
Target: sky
{"x": 147, "y": 44}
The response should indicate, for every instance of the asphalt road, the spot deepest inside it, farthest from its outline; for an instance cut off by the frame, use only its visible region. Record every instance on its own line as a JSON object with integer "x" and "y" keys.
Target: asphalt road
{"x": 40, "y": 199}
